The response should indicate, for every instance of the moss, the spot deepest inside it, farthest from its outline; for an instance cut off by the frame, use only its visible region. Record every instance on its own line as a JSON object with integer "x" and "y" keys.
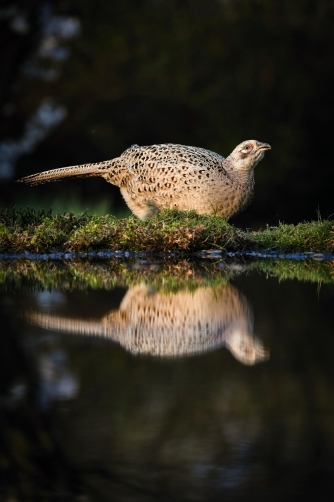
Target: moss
{"x": 172, "y": 230}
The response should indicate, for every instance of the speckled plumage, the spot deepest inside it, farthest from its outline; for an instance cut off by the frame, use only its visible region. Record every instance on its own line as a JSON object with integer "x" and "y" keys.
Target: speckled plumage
{"x": 175, "y": 176}
{"x": 165, "y": 325}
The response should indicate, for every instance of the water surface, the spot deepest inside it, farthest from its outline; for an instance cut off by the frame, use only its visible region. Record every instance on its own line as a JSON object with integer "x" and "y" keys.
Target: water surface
{"x": 196, "y": 386}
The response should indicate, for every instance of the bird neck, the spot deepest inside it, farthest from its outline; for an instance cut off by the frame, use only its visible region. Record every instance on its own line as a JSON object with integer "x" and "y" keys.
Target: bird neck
{"x": 242, "y": 176}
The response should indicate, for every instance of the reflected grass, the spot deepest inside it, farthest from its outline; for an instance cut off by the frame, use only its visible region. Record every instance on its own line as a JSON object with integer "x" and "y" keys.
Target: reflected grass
{"x": 304, "y": 271}
{"x": 170, "y": 275}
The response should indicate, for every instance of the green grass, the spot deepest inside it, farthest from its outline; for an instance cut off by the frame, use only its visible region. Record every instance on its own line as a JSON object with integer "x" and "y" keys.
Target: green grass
{"x": 40, "y": 231}
{"x": 313, "y": 236}
{"x": 171, "y": 231}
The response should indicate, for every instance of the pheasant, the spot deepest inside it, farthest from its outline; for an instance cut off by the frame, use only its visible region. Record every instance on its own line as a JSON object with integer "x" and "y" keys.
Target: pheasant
{"x": 175, "y": 176}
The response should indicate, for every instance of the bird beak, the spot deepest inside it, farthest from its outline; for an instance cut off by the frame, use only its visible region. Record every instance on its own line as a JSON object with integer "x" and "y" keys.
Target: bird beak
{"x": 264, "y": 146}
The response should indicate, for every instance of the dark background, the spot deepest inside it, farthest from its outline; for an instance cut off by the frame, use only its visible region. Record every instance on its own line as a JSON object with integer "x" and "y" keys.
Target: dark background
{"x": 106, "y": 74}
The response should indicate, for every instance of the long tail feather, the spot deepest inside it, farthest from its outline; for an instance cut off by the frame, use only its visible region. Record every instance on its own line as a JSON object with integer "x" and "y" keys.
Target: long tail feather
{"x": 98, "y": 169}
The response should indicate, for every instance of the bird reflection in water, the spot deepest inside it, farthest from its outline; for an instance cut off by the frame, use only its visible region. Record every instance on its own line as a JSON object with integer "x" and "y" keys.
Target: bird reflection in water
{"x": 172, "y": 324}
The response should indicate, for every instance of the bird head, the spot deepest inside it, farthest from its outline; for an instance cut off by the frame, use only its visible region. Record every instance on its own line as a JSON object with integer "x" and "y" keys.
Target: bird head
{"x": 245, "y": 347}
{"x": 248, "y": 154}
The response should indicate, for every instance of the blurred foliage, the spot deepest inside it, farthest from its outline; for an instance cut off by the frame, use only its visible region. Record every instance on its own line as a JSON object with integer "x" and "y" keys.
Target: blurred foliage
{"x": 71, "y": 204}
{"x": 208, "y": 74}
{"x": 23, "y": 218}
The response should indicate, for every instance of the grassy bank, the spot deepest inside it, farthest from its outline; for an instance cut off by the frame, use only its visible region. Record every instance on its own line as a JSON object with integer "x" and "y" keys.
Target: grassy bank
{"x": 172, "y": 231}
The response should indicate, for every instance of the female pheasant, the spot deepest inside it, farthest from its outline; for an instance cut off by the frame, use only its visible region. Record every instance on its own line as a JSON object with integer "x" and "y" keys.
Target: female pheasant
{"x": 175, "y": 176}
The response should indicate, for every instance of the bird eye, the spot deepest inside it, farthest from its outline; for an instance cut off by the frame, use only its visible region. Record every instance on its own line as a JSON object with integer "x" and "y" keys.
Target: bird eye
{"x": 246, "y": 148}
